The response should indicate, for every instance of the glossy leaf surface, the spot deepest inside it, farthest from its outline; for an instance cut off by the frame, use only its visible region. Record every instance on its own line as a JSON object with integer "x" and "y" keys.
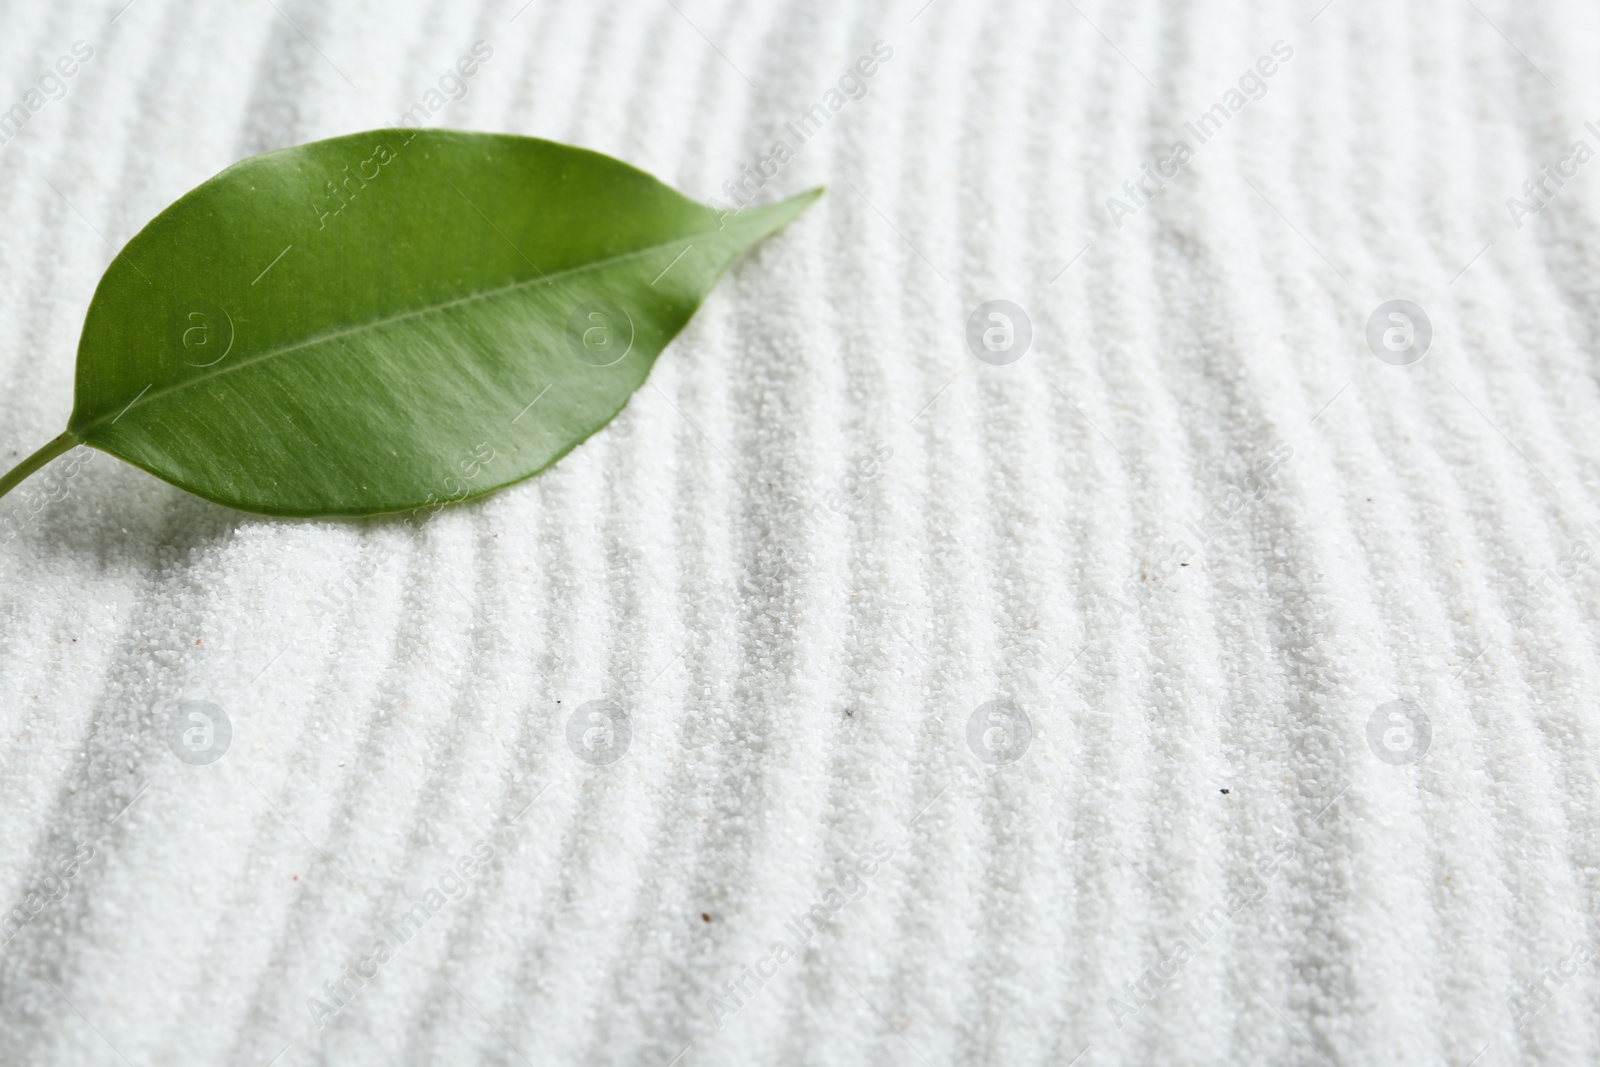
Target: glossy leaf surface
{"x": 388, "y": 320}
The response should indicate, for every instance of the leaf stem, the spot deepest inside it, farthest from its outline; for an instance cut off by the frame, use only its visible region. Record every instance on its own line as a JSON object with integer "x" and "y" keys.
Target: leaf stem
{"x": 61, "y": 444}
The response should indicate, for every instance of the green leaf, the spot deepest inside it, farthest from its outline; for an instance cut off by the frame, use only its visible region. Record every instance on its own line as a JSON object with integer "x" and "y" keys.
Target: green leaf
{"x": 391, "y": 320}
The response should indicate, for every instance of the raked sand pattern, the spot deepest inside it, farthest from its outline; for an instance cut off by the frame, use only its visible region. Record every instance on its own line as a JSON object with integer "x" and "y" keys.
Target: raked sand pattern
{"x": 1116, "y": 582}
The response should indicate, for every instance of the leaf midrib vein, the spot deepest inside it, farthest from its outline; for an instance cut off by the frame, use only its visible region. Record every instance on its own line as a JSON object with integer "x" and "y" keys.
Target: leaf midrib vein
{"x": 150, "y": 396}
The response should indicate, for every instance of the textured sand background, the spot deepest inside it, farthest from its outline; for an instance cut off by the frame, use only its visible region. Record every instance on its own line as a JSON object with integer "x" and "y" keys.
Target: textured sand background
{"x": 1197, "y": 536}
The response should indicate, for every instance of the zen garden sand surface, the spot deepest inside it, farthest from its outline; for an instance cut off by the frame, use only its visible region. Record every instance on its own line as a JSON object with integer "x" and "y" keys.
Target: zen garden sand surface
{"x": 1064, "y": 598}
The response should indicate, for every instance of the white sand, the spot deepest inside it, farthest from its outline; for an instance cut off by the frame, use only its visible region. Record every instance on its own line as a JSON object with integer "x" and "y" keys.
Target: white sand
{"x": 800, "y": 689}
